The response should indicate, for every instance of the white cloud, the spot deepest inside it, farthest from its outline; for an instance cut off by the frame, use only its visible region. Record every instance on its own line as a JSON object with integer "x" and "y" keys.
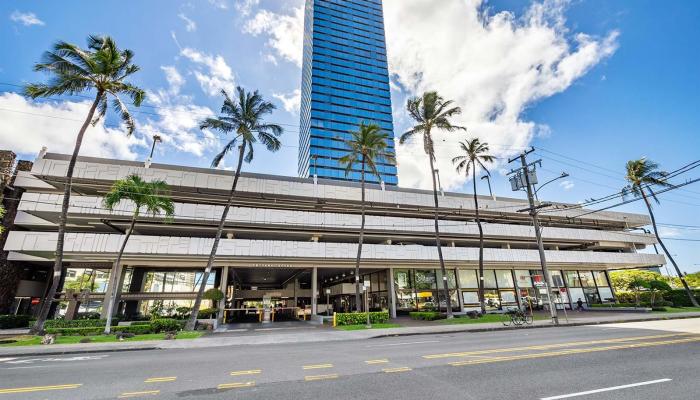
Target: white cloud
{"x": 669, "y": 232}
{"x": 567, "y": 184}
{"x": 26, "y": 19}
{"x": 221, "y": 4}
{"x": 492, "y": 65}
{"x": 285, "y": 32}
{"x": 178, "y": 119}
{"x": 218, "y": 74}
{"x": 175, "y": 80}
{"x": 245, "y": 7}
{"x": 55, "y": 124}
{"x": 190, "y": 25}
{"x": 290, "y": 101}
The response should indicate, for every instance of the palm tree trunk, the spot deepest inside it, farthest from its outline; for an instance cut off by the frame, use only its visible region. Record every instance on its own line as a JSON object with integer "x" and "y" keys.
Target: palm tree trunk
{"x": 207, "y": 271}
{"x": 58, "y": 255}
{"x": 116, "y": 274}
{"x": 448, "y": 303}
{"x": 358, "y": 300}
{"x": 689, "y": 292}
{"x": 481, "y": 244}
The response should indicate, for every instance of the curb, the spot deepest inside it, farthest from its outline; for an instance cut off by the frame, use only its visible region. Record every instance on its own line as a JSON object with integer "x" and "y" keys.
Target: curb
{"x": 77, "y": 351}
{"x": 513, "y": 328}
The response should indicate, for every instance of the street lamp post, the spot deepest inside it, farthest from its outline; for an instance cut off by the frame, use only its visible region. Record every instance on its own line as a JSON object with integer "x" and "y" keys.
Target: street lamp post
{"x": 156, "y": 139}
{"x": 562, "y": 176}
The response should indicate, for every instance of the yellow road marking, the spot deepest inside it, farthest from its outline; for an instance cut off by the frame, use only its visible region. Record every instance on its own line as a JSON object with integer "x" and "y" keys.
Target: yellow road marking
{"x": 320, "y": 377}
{"x": 236, "y": 385}
{"x": 392, "y": 370}
{"x": 573, "y": 351}
{"x": 318, "y": 366}
{"x": 550, "y": 346}
{"x": 161, "y": 379}
{"x": 380, "y": 361}
{"x": 248, "y": 372}
{"x": 40, "y": 388}
{"x": 139, "y": 394}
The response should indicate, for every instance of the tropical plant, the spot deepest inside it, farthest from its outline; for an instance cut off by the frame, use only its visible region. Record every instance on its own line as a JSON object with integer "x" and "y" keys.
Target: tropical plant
{"x": 636, "y": 285}
{"x": 101, "y": 68}
{"x": 475, "y": 155}
{"x": 430, "y": 111}
{"x": 154, "y": 198}
{"x": 214, "y": 295}
{"x": 620, "y": 280}
{"x": 366, "y": 147}
{"x": 642, "y": 176}
{"x": 244, "y": 118}
{"x": 657, "y": 287}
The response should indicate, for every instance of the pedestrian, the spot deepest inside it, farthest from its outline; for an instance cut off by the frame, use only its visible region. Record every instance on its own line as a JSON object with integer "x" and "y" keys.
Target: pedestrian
{"x": 579, "y": 305}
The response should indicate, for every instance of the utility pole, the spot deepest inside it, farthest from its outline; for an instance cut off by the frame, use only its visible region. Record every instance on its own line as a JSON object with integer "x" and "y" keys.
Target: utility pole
{"x": 525, "y": 178}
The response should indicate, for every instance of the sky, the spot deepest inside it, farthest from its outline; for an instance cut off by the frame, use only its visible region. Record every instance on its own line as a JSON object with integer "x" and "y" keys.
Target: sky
{"x": 589, "y": 83}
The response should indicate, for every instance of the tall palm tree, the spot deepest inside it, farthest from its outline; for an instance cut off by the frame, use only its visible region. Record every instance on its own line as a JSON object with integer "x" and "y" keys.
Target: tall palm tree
{"x": 244, "y": 118}
{"x": 642, "y": 176}
{"x": 475, "y": 155}
{"x": 154, "y": 197}
{"x": 101, "y": 68}
{"x": 431, "y": 111}
{"x": 367, "y": 147}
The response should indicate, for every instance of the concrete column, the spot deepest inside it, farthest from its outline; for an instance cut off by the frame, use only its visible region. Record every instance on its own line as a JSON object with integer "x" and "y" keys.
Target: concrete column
{"x": 392, "y": 293}
{"x": 459, "y": 291}
{"x": 296, "y": 287}
{"x": 223, "y": 286}
{"x": 112, "y": 285}
{"x": 314, "y": 290}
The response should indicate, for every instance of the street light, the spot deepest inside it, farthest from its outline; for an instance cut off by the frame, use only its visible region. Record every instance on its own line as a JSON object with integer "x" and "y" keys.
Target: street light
{"x": 156, "y": 139}
{"x": 562, "y": 176}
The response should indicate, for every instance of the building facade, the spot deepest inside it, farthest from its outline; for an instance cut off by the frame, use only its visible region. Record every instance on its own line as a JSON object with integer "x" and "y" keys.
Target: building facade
{"x": 291, "y": 242}
{"x": 345, "y": 81}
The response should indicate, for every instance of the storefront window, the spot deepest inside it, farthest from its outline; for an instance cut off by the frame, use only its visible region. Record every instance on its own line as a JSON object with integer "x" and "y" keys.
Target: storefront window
{"x": 175, "y": 281}
{"x": 606, "y": 295}
{"x": 600, "y": 279}
{"x": 451, "y": 282}
{"x": 405, "y": 299}
{"x": 90, "y": 279}
{"x": 523, "y": 278}
{"x": 489, "y": 279}
{"x": 504, "y": 278}
{"x": 468, "y": 278}
{"x": 454, "y": 302}
{"x": 591, "y": 295}
{"x": 492, "y": 299}
{"x": 470, "y": 298}
{"x": 402, "y": 279}
{"x": 426, "y": 300}
{"x": 572, "y": 279}
{"x": 425, "y": 279}
{"x": 586, "y": 279}
{"x": 508, "y": 297}
{"x": 557, "y": 280}
{"x": 382, "y": 281}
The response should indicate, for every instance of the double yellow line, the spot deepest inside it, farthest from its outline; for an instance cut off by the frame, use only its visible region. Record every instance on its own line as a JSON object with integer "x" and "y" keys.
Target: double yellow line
{"x": 572, "y": 351}
{"x": 40, "y": 388}
{"x": 550, "y": 346}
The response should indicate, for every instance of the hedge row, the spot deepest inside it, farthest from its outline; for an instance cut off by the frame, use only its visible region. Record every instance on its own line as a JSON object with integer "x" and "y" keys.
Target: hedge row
{"x": 426, "y": 315}
{"x": 77, "y": 323}
{"x": 680, "y": 298}
{"x": 361, "y": 318}
{"x": 676, "y": 297}
{"x": 11, "y": 321}
{"x": 155, "y": 326}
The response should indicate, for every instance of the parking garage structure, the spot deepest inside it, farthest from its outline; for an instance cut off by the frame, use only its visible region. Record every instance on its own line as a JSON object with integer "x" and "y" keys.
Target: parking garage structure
{"x": 291, "y": 243}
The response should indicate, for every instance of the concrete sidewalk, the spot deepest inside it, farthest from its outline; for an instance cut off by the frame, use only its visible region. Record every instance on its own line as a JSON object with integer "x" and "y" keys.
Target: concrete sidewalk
{"x": 324, "y": 335}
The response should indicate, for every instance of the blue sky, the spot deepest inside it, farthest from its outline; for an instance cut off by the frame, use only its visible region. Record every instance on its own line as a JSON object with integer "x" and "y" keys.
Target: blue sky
{"x": 616, "y": 81}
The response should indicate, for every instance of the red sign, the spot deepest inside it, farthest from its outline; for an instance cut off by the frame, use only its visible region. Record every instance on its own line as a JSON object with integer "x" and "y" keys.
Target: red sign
{"x": 35, "y": 300}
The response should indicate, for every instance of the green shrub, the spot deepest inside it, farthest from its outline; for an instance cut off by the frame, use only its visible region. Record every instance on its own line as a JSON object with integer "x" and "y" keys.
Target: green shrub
{"x": 206, "y": 313}
{"x": 426, "y": 315}
{"x": 165, "y": 325}
{"x": 679, "y": 297}
{"x": 84, "y": 331}
{"x": 213, "y": 294}
{"x": 78, "y": 323}
{"x": 135, "y": 329}
{"x": 361, "y": 318}
{"x": 11, "y": 321}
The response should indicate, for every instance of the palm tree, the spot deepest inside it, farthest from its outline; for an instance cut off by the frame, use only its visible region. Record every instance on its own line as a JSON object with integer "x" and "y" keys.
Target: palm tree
{"x": 155, "y": 198}
{"x": 476, "y": 154}
{"x": 432, "y": 111}
{"x": 101, "y": 68}
{"x": 367, "y": 147}
{"x": 642, "y": 175}
{"x": 244, "y": 118}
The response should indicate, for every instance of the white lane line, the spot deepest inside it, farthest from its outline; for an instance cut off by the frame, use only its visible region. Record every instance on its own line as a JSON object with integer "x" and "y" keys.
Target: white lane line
{"x": 403, "y": 343}
{"x": 609, "y": 389}
{"x": 7, "y": 359}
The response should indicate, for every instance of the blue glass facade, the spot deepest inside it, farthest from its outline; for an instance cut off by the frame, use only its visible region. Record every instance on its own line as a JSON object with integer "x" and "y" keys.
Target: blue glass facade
{"x": 345, "y": 81}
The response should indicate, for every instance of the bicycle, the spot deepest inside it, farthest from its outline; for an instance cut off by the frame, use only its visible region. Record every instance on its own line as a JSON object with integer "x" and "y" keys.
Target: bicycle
{"x": 516, "y": 317}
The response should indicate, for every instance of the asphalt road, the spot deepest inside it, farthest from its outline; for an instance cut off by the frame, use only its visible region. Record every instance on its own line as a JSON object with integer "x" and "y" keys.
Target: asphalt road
{"x": 616, "y": 362}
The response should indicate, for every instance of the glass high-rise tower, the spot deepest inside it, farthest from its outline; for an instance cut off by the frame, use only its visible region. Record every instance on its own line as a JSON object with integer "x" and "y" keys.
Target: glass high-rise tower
{"x": 345, "y": 81}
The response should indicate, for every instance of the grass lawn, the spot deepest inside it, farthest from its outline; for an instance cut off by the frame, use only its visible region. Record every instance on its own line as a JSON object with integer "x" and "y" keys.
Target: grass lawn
{"x": 360, "y": 327}
{"x": 488, "y": 318}
{"x": 678, "y": 310}
{"x": 27, "y": 340}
